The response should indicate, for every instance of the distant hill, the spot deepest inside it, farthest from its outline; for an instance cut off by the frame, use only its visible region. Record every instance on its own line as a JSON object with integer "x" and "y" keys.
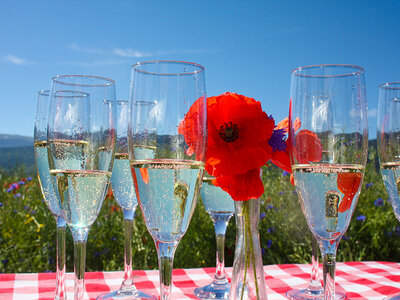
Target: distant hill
{"x": 12, "y": 141}
{"x": 17, "y": 151}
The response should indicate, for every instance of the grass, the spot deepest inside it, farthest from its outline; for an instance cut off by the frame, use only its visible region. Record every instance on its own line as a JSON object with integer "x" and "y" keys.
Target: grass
{"x": 28, "y": 230}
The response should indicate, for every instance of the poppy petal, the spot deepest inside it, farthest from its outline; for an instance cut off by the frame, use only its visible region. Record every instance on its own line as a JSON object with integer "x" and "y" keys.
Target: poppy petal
{"x": 308, "y": 147}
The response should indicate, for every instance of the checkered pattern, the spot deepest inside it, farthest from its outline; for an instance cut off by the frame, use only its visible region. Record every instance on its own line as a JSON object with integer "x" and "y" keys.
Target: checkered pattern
{"x": 359, "y": 280}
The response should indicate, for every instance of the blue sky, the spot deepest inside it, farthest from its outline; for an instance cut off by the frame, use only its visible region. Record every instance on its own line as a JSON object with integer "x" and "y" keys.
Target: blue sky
{"x": 248, "y": 47}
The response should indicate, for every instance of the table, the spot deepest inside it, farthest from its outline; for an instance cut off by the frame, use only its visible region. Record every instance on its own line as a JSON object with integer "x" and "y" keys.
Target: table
{"x": 359, "y": 280}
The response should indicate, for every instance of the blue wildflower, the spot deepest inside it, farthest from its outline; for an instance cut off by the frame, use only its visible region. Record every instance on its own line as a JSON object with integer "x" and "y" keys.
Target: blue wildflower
{"x": 17, "y": 195}
{"x": 271, "y": 230}
{"x": 5, "y": 261}
{"x": 262, "y": 216}
{"x": 281, "y": 193}
{"x": 368, "y": 185}
{"x": 113, "y": 238}
{"x": 26, "y": 207}
{"x": 10, "y": 189}
{"x": 277, "y": 140}
{"x": 33, "y": 212}
{"x": 15, "y": 210}
{"x": 285, "y": 173}
{"x": 361, "y": 218}
{"x": 269, "y": 243}
{"x": 21, "y": 182}
{"x": 270, "y": 206}
{"x": 15, "y": 186}
{"x": 29, "y": 178}
{"x": 1, "y": 204}
{"x": 378, "y": 202}
{"x": 96, "y": 253}
{"x": 345, "y": 238}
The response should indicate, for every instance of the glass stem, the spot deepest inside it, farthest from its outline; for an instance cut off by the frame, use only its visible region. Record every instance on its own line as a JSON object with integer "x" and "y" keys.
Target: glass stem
{"x": 328, "y": 252}
{"x": 220, "y": 231}
{"x": 60, "y": 260}
{"x": 315, "y": 284}
{"x": 128, "y": 230}
{"x": 80, "y": 238}
{"x": 166, "y": 252}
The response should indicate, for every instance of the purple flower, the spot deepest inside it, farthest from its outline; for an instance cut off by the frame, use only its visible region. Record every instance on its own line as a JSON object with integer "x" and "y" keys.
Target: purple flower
{"x": 271, "y": 230}
{"x": 10, "y": 189}
{"x": 378, "y": 202}
{"x": 5, "y": 261}
{"x": 262, "y": 216}
{"x": 361, "y": 218}
{"x": 345, "y": 238}
{"x": 270, "y": 206}
{"x": 15, "y": 186}
{"x": 17, "y": 195}
{"x": 26, "y": 207}
{"x": 33, "y": 212}
{"x": 96, "y": 253}
{"x": 269, "y": 243}
{"x": 29, "y": 178}
{"x": 277, "y": 140}
{"x": 368, "y": 185}
{"x": 113, "y": 238}
{"x": 21, "y": 182}
{"x": 281, "y": 193}
{"x": 1, "y": 204}
{"x": 285, "y": 173}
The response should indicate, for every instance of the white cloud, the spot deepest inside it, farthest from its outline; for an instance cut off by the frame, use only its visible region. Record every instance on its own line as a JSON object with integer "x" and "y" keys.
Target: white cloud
{"x": 16, "y": 60}
{"x": 78, "y": 48}
{"x": 131, "y": 53}
{"x": 104, "y": 62}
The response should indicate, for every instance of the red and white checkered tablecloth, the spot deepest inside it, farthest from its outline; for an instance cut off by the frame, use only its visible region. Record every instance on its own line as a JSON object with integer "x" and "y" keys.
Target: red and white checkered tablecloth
{"x": 359, "y": 280}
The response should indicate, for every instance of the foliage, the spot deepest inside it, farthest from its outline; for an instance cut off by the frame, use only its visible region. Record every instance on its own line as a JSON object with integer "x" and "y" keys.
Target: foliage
{"x": 28, "y": 230}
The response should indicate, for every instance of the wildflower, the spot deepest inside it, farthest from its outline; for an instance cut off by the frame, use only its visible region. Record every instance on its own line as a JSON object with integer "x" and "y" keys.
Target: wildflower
{"x": 378, "y": 202}
{"x": 271, "y": 230}
{"x": 33, "y": 212}
{"x": 113, "y": 238}
{"x": 269, "y": 243}
{"x": 368, "y": 185}
{"x": 1, "y": 204}
{"x": 348, "y": 184}
{"x": 26, "y": 207}
{"x": 270, "y": 206}
{"x": 5, "y": 261}
{"x": 277, "y": 140}
{"x": 29, "y": 178}
{"x": 10, "y": 189}
{"x": 285, "y": 173}
{"x": 21, "y": 182}
{"x": 262, "y": 216}
{"x": 18, "y": 195}
{"x": 345, "y": 238}
{"x": 15, "y": 186}
{"x": 361, "y": 218}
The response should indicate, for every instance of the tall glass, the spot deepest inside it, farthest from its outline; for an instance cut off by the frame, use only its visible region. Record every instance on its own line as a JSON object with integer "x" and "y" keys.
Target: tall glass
{"x": 81, "y": 141}
{"x": 50, "y": 198}
{"x": 220, "y": 207}
{"x": 328, "y": 133}
{"x": 124, "y": 194}
{"x": 167, "y": 145}
{"x": 388, "y": 136}
{"x": 314, "y": 290}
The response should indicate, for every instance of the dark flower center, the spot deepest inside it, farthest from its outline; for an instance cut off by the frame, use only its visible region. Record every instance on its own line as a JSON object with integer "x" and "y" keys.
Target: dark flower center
{"x": 229, "y": 132}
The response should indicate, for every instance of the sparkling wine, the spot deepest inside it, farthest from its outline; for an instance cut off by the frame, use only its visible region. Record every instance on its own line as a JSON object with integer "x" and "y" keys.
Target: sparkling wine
{"x": 81, "y": 193}
{"x": 327, "y": 207}
{"x": 69, "y": 154}
{"x": 217, "y": 203}
{"x": 167, "y": 191}
{"x": 122, "y": 182}
{"x": 42, "y": 164}
{"x": 391, "y": 179}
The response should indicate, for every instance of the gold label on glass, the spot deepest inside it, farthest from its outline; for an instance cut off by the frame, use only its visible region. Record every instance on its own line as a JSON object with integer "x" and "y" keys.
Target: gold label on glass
{"x": 332, "y": 199}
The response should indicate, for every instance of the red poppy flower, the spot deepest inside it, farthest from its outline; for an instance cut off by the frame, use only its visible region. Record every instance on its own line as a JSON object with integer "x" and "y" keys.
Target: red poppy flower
{"x": 308, "y": 147}
{"x": 242, "y": 187}
{"x": 348, "y": 184}
{"x": 238, "y": 134}
{"x": 192, "y": 128}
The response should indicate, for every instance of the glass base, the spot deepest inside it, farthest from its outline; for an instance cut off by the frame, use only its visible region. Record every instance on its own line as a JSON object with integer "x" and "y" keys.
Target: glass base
{"x": 213, "y": 291}
{"x": 127, "y": 294}
{"x": 310, "y": 294}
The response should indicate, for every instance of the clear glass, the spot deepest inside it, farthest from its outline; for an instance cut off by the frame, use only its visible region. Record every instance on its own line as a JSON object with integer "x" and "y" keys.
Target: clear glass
{"x": 388, "y": 134}
{"x": 248, "y": 279}
{"x": 81, "y": 142}
{"x": 220, "y": 207}
{"x": 124, "y": 193}
{"x": 315, "y": 290}
{"x": 328, "y": 133}
{"x": 50, "y": 198}
{"x": 166, "y": 155}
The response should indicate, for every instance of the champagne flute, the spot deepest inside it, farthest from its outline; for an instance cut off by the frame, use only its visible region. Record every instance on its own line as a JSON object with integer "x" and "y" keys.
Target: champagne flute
{"x": 81, "y": 140}
{"x": 328, "y": 152}
{"x": 388, "y": 134}
{"x": 124, "y": 194}
{"x": 314, "y": 290}
{"x": 166, "y": 170}
{"x": 50, "y": 198}
{"x": 220, "y": 207}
